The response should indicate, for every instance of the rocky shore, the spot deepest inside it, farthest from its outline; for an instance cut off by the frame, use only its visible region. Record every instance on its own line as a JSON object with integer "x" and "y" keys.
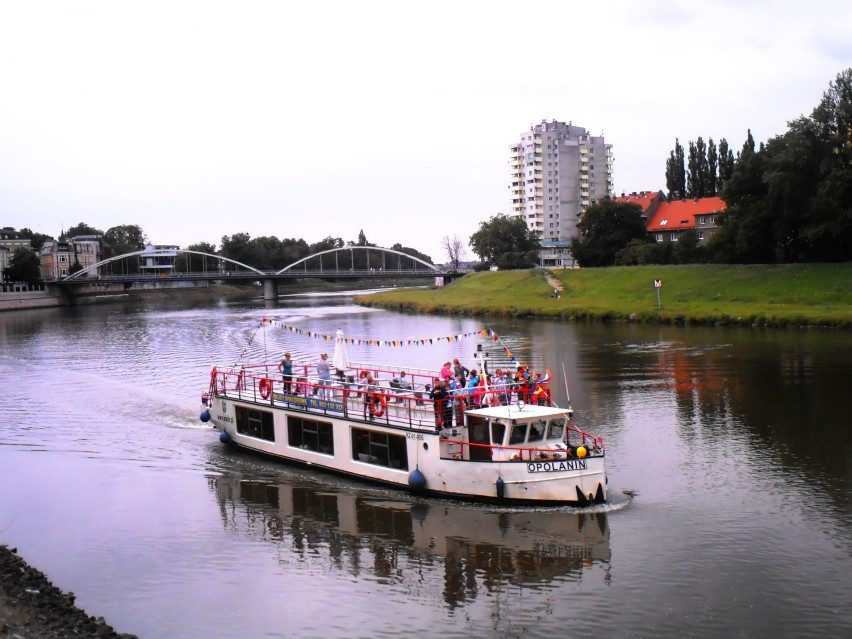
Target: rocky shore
{"x": 33, "y": 608}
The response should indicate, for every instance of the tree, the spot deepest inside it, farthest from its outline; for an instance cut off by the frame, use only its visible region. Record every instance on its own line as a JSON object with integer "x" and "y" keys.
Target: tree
{"x": 411, "y": 251}
{"x": 687, "y": 249}
{"x": 506, "y": 242}
{"x": 639, "y": 252}
{"x": 82, "y": 229}
{"x": 675, "y": 173}
{"x": 712, "y": 169}
{"x": 790, "y": 200}
{"x": 362, "y": 239}
{"x": 697, "y": 169}
{"x": 191, "y": 263}
{"x": 604, "y": 229}
{"x": 36, "y": 239}
{"x": 238, "y": 247}
{"x": 24, "y": 266}
{"x": 454, "y": 249}
{"x": 726, "y": 165}
{"x": 126, "y": 238}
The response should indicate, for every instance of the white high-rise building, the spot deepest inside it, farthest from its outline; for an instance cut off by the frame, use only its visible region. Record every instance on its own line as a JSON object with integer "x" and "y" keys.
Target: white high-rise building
{"x": 557, "y": 171}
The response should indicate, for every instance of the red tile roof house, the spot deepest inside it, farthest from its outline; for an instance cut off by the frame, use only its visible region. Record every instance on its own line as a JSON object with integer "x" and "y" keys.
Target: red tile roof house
{"x": 670, "y": 219}
{"x": 648, "y": 200}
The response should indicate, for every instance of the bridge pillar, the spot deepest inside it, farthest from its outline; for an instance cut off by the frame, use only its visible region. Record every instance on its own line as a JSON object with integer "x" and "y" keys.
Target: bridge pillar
{"x": 270, "y": 290}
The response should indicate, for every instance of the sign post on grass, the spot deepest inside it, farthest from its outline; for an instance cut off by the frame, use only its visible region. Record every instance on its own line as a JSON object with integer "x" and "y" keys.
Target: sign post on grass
{"x": 658, "y": 284}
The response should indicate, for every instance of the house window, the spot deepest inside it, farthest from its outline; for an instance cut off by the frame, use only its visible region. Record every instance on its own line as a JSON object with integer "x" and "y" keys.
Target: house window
{"x": 659, "y": 237}
{"x": 700, "y": 235}
{"x": 674, "y": 237}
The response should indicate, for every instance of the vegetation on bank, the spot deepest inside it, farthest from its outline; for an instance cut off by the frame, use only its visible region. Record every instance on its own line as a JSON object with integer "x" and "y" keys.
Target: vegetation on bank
{"x": 755, "y": 295}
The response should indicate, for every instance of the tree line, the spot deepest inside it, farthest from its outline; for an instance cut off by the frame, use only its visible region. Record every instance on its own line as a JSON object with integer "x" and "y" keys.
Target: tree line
{"x": 788, "y": 200}
{"x": 264, "y": 253}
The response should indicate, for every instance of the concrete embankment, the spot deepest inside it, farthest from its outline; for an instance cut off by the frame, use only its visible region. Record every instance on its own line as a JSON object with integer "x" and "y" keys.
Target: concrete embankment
{"x": 26, "y": 298}
{"x": 22, "y": 297}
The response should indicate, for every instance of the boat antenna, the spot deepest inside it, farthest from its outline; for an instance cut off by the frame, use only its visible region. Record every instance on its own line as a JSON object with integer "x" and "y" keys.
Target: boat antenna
{"x": 565, "y": 379}
{"x": 250, "y": 340}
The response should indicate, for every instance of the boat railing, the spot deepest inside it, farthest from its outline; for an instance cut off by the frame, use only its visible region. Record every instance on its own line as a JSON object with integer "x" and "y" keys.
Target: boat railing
{"x": 386, "y": 376}
{"x": 351, "y": 398}
{"x": 384, "y": 400}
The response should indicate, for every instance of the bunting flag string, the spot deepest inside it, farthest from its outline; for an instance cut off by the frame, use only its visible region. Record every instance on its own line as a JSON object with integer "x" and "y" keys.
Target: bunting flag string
{"x": 392, "y": 343}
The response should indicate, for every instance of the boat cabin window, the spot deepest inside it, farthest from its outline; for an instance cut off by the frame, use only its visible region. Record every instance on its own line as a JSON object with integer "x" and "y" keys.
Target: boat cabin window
{"x": 519, "y": 434}
{"x": 556, "y": 429}
{"x": 310, "y": 434}
{"x": 381, "y": 449}
{"x": 498, "y": 432}
{"x": 255, "y": 423}
{"x": 537, "y": 429}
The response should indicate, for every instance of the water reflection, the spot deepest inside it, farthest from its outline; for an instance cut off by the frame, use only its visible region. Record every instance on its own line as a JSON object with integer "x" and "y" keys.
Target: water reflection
{"x": 478, "y": 548}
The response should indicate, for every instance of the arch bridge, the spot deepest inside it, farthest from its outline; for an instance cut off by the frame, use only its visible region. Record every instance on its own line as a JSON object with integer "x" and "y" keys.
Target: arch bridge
{"x": 347, "y": 262}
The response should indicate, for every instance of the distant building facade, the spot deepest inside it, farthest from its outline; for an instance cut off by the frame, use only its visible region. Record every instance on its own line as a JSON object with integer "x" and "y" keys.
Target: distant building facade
{"x": 557, "y": 171}
{"x": 10, "y": 240}
{"x": 62, "y": 257}
{"x": 158, "y": 259}
{"x": 88, "y": 251}
{"x": 57, "y": 258}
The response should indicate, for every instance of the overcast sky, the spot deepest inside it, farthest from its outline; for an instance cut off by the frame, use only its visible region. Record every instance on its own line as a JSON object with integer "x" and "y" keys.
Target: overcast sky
{"x": 199, "y": 119}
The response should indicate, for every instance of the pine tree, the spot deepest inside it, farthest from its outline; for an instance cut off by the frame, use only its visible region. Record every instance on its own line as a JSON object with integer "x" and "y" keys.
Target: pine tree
{"x": 675, "y": 173}
{"x": 712, "y": 166}
{"x": 726, "y": 165}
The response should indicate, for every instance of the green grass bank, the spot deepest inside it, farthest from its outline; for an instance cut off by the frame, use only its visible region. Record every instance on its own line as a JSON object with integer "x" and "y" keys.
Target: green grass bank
{"x": 753, "y": 295}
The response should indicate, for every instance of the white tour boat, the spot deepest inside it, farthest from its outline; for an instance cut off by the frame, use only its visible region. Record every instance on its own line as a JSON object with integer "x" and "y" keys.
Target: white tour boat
{"x": 366, "y": 423}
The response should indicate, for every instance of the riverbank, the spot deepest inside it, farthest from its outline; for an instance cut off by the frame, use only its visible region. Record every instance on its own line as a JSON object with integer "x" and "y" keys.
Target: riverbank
{"x": 31, "y": 607}
{"x": 795, "y": 295}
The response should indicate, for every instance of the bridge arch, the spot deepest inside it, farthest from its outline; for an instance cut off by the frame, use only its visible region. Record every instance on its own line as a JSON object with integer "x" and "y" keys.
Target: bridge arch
{"x": 94, "y": 267}
{"x": 344, "y": 249}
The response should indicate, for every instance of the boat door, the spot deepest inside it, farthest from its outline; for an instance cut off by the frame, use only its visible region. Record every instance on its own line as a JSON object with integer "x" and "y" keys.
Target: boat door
{"x": 478, "y": 433}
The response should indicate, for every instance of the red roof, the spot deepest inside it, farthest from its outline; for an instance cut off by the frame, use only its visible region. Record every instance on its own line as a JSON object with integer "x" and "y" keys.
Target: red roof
{"x": 680, "y": 214}
{"x": 643, "y": 198}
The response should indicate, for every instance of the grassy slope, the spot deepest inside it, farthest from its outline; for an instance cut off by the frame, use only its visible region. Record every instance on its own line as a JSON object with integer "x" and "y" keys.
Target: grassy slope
{"x": 790, "y": 294}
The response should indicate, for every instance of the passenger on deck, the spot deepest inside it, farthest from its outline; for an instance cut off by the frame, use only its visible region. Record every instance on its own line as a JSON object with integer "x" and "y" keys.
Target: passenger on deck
{"x": 286, "y": 368}
{"x": 441, "y": 397}
{"x": 501, "y": 387}
{"x": 324, "y": 375}
{"x": 460, "y": 369}
{"x": 456, "y": 393}
{"x": 446, "y": 372}
{"x": 399, "y": 384}
{"x": 472, "y": 384}
{"x": 521, "y": 383}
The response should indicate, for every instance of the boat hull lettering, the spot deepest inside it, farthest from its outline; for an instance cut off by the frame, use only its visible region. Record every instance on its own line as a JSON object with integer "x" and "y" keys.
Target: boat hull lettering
{"x": 556, "y": 466}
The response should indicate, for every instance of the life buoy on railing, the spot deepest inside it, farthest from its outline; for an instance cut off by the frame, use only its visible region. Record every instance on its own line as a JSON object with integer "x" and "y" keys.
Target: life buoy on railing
{"x": 265, "y": 387}
{"x": 378, "y": 404}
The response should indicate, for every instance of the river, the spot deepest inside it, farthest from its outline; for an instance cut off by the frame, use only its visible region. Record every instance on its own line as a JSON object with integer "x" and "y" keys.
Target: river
{"x": 728, "y": 453}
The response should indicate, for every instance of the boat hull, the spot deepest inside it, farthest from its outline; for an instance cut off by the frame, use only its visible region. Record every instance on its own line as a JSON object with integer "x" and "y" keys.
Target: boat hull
{"x": 413, "y": 457}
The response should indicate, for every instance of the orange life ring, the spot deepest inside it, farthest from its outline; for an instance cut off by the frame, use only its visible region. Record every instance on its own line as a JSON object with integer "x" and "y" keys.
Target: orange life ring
{"x": 265, "y": 387}
{"x": 378, "y": 411}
